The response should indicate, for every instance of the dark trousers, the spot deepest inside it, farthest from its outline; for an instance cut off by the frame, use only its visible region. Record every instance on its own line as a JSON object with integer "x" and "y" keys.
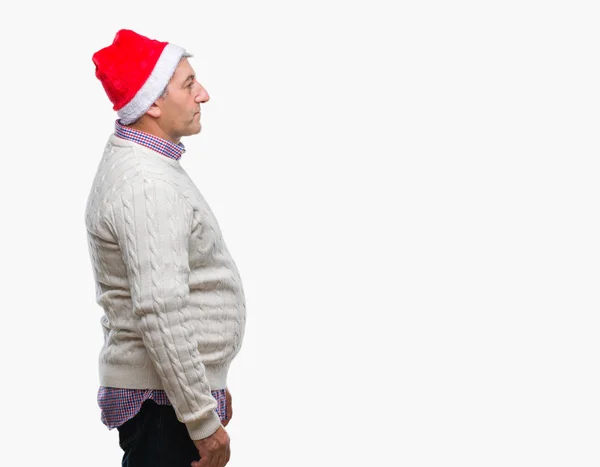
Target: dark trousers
{"x": 155, "y": 438}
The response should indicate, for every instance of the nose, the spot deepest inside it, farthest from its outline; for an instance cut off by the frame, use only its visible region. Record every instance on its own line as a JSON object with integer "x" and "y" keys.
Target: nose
{"x": 202, "y": 96}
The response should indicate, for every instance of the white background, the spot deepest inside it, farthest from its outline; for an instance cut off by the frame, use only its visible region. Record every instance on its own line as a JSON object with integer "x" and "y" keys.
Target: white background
{"x": 410, "y": 191}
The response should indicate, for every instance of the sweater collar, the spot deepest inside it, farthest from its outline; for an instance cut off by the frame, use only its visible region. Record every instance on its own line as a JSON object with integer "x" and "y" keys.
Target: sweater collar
{"x": 162, "y": 146}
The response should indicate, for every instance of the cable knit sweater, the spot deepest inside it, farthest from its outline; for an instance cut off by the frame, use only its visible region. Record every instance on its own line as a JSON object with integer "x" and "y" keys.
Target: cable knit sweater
{"x": 173, "y": 300}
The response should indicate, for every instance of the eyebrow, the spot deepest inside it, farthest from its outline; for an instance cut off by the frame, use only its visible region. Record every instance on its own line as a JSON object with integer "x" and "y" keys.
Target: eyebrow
{"x": 191, "y": 77}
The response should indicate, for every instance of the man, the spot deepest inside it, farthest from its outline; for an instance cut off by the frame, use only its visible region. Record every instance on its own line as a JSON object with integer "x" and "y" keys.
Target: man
{"x": 173, "y": 301}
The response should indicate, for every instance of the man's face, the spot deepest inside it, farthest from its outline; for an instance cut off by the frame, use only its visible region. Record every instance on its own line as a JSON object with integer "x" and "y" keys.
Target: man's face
{"x": 180, "y": 108}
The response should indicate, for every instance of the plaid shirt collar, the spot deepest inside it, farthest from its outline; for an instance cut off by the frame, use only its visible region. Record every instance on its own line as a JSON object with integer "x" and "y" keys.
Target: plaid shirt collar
{"x": 162, "y": 146}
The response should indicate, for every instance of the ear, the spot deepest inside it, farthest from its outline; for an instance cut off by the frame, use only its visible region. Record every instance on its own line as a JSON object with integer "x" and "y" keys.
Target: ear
{"x": 154, "y": 111}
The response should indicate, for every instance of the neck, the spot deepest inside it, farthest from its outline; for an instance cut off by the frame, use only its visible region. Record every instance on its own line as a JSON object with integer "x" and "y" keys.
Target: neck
{"x": 151, "y": 126}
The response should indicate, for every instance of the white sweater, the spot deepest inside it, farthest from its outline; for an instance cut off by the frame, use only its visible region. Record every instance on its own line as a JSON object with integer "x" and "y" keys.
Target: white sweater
{"x": 174, "y": 306}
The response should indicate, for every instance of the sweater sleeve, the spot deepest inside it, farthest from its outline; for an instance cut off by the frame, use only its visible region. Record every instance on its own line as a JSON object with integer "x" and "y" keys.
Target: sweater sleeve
{"x": 152, "y": 223}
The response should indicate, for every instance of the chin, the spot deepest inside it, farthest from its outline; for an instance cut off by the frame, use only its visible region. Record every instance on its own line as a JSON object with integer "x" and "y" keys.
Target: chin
{"x": 194, "y": 130}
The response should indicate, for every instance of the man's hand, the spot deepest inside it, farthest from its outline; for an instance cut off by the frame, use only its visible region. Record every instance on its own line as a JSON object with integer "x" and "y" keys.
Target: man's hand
{"x": 214, "y": 450}
{"x": 229, "y": 407}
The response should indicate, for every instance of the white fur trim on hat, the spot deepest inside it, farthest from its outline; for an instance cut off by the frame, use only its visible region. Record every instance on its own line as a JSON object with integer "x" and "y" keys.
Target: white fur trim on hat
{"x": 154, "y": 85}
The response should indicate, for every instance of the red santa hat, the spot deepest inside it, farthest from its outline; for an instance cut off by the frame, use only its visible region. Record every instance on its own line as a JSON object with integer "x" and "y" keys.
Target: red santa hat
{"x": 134, "y": 71}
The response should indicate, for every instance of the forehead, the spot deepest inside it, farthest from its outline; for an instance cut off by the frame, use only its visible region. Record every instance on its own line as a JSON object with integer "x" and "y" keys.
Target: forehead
{"x": 183, "y": 70}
